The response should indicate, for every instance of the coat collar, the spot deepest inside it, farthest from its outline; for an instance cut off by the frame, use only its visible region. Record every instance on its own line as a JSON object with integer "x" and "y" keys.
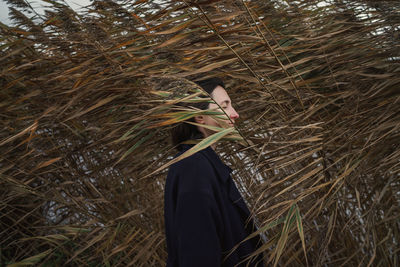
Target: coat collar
{"x": 222, "y": 169}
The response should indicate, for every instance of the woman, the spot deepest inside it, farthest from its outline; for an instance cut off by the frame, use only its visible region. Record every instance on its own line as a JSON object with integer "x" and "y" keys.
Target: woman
{"x": 205, "y": 216}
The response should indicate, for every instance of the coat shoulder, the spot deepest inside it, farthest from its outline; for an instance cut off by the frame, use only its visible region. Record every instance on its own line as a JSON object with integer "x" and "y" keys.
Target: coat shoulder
{"x": 197, "y": 159}
{"x": 193, "y": 174}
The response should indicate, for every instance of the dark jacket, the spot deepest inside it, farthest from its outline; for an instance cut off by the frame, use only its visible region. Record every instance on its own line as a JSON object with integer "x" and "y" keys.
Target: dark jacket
{"x": 205, "y": 215}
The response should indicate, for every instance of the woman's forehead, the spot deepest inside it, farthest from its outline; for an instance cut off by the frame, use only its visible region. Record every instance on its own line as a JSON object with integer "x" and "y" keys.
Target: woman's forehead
{"x": 219, "y": 94}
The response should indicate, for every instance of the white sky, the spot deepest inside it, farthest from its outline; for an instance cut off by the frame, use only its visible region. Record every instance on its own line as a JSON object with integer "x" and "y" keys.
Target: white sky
{"x": 38, "y": 5}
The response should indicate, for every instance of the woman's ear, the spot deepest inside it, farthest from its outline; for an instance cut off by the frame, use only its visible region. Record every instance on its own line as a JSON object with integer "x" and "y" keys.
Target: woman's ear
{"x": 199, "y": 119}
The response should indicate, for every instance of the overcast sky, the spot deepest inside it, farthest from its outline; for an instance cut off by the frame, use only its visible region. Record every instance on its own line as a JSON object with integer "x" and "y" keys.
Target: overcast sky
{"x": 38, "y": 5}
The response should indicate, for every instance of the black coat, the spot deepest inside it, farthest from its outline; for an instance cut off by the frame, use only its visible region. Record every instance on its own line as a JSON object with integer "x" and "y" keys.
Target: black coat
{"x": 205, "y": 215}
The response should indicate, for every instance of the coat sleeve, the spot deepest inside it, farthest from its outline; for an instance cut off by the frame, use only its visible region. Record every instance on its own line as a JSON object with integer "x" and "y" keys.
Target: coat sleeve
{"x": 197, "y": 218}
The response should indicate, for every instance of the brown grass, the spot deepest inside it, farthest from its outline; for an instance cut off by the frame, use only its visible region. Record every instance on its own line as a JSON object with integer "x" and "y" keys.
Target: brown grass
{"x": 317, "y": 88}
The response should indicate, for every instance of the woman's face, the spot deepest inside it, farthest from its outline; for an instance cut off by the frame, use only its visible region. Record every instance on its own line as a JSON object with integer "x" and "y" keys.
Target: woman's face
{"x": 221, "y": 97}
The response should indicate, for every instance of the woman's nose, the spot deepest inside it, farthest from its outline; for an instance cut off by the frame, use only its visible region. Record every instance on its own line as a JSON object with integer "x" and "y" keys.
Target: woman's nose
{"x": 234, "y": 114}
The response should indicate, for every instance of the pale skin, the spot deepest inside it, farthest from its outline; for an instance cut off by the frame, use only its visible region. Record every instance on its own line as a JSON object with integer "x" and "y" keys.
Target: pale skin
{"x": 221, "y": 97}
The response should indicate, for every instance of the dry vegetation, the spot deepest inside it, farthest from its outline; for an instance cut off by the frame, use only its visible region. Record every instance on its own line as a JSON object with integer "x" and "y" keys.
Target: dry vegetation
{"x": 317, "y": 87}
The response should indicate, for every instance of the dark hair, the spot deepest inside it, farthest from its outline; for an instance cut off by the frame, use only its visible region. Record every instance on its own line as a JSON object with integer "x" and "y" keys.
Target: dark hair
{"x": 184, "y": 131}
